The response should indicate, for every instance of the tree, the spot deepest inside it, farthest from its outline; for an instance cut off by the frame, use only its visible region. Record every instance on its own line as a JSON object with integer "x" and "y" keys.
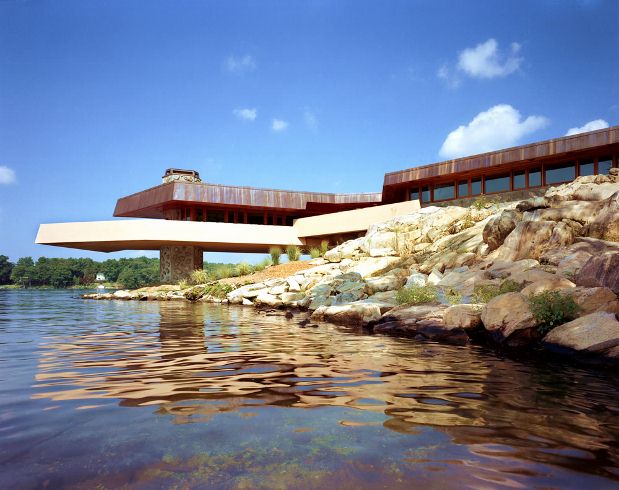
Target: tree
{"x": 6, "y": 268}
{"x": 22, "y": 271}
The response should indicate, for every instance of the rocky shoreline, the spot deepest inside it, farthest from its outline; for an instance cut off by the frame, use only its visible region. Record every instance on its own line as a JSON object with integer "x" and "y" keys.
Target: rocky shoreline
{"x": 482, "y": 273}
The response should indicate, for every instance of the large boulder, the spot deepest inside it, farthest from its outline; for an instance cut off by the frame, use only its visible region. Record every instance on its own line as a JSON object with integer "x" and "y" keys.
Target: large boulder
{"x": 350, "y": 314}
{"x": 605, "y": 224}
{"x": 591, "y": 300}
{"x": 497, "y": 229}
{"x": 467, "y": 316}
{"x": 416, "y": 279}
{"x": 391, "y": 281}
{"x": 421, "y": 322}
{"x": 464, "y": 281}
{"x": 346, "y": 250}
{"x": 600, "y": 271}
{"x": 267, "y": 299}
{"x": 554, "y": 283}
{"x": 385, "y": 300}
{"x": 530, "y": 239}
{"x": 509, "y": 315}
{"x": 374, "y": 266}
{"x": 596, "y": 333}
{"x": 531, "y": 275}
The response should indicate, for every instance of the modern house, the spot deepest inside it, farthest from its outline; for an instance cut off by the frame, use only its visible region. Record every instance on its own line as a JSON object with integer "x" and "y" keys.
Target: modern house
{"x": 184, "y": 216}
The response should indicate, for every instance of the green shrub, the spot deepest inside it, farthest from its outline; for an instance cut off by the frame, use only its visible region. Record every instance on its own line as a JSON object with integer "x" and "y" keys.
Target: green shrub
{"x": 551, "y": 309}
{"x": 293, "y": 252}
{"x": 215, "y": 289}
{"x": 416, "y": 295}
{"x": 183, "y": 284}
{"x": 263, "y": 264}
{"x": 199, "y": 276}
{"x": 324, "y": 247}
{"x": 315, "y": 252}
{"x": 484, "y": 293}
{"x": 275, "y": 253}
{"x": 244, "y": 269}
{"x": 453, "y": 296}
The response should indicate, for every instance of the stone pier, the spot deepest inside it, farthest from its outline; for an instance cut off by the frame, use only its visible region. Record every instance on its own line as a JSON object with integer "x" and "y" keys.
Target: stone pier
{"x": 178, "y": 262}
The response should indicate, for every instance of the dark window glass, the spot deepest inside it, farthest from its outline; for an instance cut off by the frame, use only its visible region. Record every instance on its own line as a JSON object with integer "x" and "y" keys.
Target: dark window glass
{"x": 425, "y": 194}
{"x": 535, "y": 177}
{"x": 519, "y": 180}
{"x": 255, "y": 219}
{"x": 561, "y": 173}
{"x": 499, "y": 183}
{"x": 475, "y": 187}
{"x": 604, "y": 165}
{"x": 269, "y": 219}
{"x": 414, "y": 195}
{"x": 199, "y": 215}
{"x": 215, "y": 216}
{"x": 463, "y": 188}
{"x": 586, "y": 168}
{"x": 290, "y": 220}
{"x": 443, "y": 192}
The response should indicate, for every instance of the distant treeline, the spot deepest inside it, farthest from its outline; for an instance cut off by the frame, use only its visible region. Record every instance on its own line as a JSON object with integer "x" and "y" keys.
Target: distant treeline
{"x": 61, "y": 273}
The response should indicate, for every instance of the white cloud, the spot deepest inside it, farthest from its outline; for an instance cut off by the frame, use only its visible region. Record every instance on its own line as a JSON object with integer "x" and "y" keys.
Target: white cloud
{"x": 485, "y": 60}
{"x": 7, "y": 175}
{"x": 590, "y": 126}
{"x": 241, "y": 64}
{"x": 499, "y": 127}
{"x": 310, "y": 118}
{"x": 445, "y": 73}
{"x": 246, "y": 114}
{"x": 279, "y": 125}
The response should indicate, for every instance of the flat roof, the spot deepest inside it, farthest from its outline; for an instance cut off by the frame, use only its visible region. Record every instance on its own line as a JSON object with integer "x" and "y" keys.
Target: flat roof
{"x": 530, "y": 152}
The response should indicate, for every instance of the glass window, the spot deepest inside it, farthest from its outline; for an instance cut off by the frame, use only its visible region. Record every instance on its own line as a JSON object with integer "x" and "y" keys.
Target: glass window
{"x": 604, "y": 165}
{"x": 586, "y": 168}
{"x": 520, "y": 181}
{"x": 290, "y": 220}
{"x": 443, "y": 192}
{"x": 561, "y": 173}
{"x": 535, "y": 177}
{"x": 269, "y": 219}
{"x": 414, "y": 195}
{"x": 215, "y": 216}
{"x": 463, "y": 188}
{"x": 425, "y": 194}
{"x": 498, "y": 183}
{"x": 255, "y": 219}
{"x": 475, "y": 187}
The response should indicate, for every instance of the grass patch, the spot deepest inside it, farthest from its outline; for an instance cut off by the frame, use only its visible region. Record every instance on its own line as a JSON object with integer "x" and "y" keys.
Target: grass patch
{"x": 275, "y": 253}
{"x": 244, "y": 269}
{"x": 314, "y": 252}
{"x": 293, "y": 252}
{"x": 215, "y": 289}
{"x": 551, "y": 309}
{"x": 484, "y": 293}
{"x": 453, "y": 296}
{"x": 415, "y": 295}
{"x": 324, "y": 247}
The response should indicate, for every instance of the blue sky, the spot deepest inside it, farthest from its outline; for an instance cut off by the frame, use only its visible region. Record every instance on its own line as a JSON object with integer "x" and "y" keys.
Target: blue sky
{"x": 98, "y": 98}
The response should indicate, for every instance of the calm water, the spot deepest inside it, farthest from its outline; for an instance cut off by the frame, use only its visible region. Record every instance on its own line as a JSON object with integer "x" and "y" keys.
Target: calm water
{"x": 158, "y": 395}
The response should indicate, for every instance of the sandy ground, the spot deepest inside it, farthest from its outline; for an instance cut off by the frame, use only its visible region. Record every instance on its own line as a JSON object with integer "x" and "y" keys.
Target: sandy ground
{"x": 275, "y": 271}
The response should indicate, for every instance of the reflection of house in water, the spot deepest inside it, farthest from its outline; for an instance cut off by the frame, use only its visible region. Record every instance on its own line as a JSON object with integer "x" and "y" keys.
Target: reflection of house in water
{"x": 200, "y": 360}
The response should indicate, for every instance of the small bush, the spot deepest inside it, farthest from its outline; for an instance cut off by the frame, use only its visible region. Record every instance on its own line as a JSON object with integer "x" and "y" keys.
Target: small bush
{"x": 244, "y": 269}
{"x": 416, "y": 295}
{"x": 293, "y": 252}
{"x": 275, "y": 253}
{"x": 183, "y": 284}
{"x": 263, "y": 264}
{"x": 484, "y": 293}
{"x": 314, "y": 252}
{"x": 551, "y": 309}
{"x": 324, "y": 247}
{"x": 453, "y": 297}
{"x": 199, "y": 276}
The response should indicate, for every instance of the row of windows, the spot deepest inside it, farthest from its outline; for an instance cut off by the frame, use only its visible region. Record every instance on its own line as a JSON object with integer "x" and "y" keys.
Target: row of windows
{"x": 511, "y": 181}
{"x": 229, "y": 216}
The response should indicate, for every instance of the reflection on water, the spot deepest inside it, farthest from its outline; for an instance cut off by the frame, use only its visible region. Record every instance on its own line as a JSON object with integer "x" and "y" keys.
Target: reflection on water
{"x": 162, "y": 394}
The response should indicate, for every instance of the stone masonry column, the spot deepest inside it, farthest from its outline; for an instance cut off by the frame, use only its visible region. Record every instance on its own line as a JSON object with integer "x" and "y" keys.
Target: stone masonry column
{"x": 176, "y": 263}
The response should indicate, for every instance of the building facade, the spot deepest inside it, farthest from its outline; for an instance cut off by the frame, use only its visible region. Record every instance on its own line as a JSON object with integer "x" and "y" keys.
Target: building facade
{"x": 184, "y": 216}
